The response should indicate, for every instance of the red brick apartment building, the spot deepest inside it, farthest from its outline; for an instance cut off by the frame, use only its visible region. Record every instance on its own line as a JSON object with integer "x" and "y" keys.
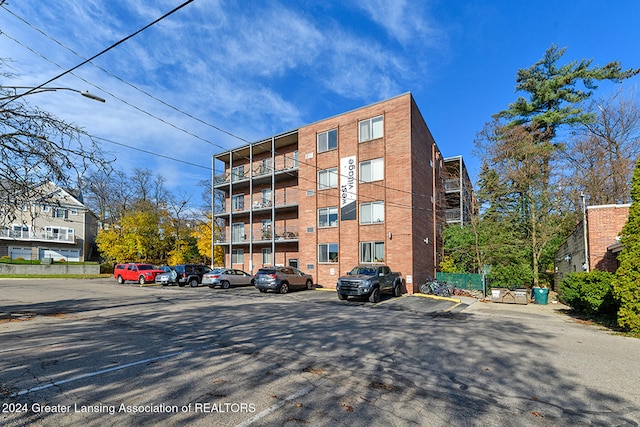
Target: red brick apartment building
{"x": 366, "y": 186}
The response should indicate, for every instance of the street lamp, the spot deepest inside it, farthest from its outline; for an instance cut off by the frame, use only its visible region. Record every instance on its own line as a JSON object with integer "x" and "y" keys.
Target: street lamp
{"x": 32, "y": 90}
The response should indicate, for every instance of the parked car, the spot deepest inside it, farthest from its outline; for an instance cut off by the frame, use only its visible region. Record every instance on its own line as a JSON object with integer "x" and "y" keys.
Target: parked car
{"x": 369, "y": 281}
{"x": 226, "y": 277}
{"x": 190, "y": 274}
{"x": 135, "y": 272}
{"x": 282, "y": 279}
{"x": 169, "y": 276}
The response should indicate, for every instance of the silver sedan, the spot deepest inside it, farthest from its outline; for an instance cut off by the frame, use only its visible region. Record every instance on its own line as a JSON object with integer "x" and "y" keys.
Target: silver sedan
{"x": 226, "y": 277}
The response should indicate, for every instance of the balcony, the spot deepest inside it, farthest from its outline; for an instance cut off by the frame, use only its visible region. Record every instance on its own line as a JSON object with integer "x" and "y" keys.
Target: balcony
{"x": 259, "y": 171}
{"x": 280, "y": 199}
{"x": 47, "y": 236}
{"x": 452, "y": 184}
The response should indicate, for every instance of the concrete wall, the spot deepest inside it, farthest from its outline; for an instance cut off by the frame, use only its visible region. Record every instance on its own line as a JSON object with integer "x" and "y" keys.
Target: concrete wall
{"x": 49, "y": 269}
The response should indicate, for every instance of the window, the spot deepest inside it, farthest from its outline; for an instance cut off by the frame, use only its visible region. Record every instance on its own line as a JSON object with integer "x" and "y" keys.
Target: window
{"x": 328, "y": 217}
{"x": 266, "y": 198}
{"x": 266, "y": 256}
{"x": 327, "y": 140}
{"x": 371, "y": 213}
{"x": 266, "y": 229}
{"x": 60, "y": 213}
{"x": 371, "y": 252}
{"x": 370, "y": 129}
{"x": 372, "y": 170}
{"x": 237, "y": 202}
{"x": 328, "y": 252}
{"x": 328, "y": 179}
{"x": 237, "y": 256}
{"x": 237, "y": 232}
{"x": 237, "y": 173}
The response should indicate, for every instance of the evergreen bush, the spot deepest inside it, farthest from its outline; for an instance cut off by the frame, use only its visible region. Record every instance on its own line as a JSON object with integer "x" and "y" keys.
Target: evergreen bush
{"x": 589, "y": 293}
{"x": 627, "y": 283}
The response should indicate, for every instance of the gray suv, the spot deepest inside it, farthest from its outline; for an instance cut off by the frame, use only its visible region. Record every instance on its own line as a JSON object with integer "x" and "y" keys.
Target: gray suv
{"x": 282, "y": 279}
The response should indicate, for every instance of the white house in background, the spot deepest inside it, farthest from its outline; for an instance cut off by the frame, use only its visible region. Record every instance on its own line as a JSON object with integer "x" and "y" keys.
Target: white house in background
{"x": 55, "y": 225}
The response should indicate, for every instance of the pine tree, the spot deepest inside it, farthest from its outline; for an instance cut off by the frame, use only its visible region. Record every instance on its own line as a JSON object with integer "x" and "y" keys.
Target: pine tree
{"x": 627, "y": 283}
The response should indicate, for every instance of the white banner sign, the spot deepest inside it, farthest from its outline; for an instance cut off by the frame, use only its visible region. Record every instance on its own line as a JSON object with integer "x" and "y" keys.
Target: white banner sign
{"x": 348, "y": 188}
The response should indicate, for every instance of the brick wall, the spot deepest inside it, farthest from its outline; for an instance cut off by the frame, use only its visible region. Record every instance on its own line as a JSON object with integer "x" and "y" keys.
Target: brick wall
{"x": 604, "y": 223}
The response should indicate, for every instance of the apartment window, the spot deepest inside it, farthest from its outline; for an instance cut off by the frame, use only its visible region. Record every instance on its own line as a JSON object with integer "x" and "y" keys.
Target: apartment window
{"x": 265, "y": 167}
{"x": 237, "y": 232}
{"x": 327, "y": 140}
{"x": 328, "y": 217}
{"x": 60, "y": 213}
{"x": 237, "y": 202}
{"x": 266, "y": 229}
{"x": 266, "y": 197}
{"x": 372, "y": 170}
{"x": 266, "y": 256}
{"x": 370, "y": 129}
{"x": 371, "y": 213}
{"x": 328, "y": 252}
{"x": 237, "y": 173}
{"x": 371, "y": 252}
{"x": 237, "y": 256}
{"x": 328, "y": 179}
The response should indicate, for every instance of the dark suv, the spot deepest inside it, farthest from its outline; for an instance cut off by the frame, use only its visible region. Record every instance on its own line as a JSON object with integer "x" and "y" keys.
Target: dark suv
{"x": 281, "y": 279}
{"x": 190, "y": 274}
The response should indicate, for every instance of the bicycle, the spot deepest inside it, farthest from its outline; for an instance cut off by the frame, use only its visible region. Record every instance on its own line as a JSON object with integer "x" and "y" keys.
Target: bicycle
{"x": 434, "y": 288}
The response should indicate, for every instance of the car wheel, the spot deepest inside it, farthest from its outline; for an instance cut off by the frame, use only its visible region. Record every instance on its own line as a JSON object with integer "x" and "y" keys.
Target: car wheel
{"x": 342, "y": 297}
{"x": 120, "y": 280}
{"x": 284, "y": 288}
{"x": 264, "y": 291}
{"x": 141, "y": 280}
{"x": 193, "y": 282}
{"x": 224, "y": 284}
{"x": 181, "y": 284}
{"x": 375, "y": 295}
{"x": 397, "y": 291}
{"x": 309, "y": 285}
{"x": 253, "y": 282}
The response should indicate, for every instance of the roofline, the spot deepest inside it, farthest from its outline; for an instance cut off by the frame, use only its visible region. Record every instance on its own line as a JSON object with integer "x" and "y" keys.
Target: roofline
{"x": 294, "y": 130}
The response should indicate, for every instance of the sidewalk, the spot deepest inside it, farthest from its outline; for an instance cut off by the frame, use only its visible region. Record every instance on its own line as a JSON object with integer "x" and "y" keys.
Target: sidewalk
{"x": 511, "y": 310}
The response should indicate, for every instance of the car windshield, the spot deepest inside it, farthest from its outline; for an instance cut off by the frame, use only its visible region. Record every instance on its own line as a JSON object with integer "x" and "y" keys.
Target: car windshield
{"x": 367, "y": 271}
{"x": 216, "y": 271}
{"x": 266, "y": 271}
{"x": 145, "y": 267}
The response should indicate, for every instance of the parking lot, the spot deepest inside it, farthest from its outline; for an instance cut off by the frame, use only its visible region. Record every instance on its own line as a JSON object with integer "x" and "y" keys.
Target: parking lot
{"x": 94, "y": 352}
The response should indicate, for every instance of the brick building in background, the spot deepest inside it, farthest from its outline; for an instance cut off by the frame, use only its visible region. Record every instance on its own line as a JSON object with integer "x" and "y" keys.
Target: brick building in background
{"x": 604, "y": 224}
{"x": 366, "y": 186}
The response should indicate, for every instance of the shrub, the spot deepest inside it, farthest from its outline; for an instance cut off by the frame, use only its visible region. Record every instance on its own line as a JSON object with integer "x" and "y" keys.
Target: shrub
{"x": 589, "y": 293}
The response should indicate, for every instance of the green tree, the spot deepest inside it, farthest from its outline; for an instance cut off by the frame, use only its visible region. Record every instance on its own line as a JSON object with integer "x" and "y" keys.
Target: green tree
{"x": 555, "y": 92}
{"x": 136, "y": 238}
{"x": 627, "y": 283}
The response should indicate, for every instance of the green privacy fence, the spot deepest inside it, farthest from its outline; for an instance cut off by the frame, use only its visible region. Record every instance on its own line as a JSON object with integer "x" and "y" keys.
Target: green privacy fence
{"x": 462, "y": 280}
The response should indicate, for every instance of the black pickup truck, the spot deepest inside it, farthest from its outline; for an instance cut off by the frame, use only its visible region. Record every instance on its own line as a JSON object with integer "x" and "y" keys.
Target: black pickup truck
{"x": 369, "y": 281}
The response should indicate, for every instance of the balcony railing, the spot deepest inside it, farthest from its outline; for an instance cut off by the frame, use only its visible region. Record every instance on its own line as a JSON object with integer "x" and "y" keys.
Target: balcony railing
{"x": 43, "y": 235}
{"x": 452, "y": 184}
{"x": 280, "y": 198}
{"x": 453, "y": 215}
{"x": 281, "y": 163}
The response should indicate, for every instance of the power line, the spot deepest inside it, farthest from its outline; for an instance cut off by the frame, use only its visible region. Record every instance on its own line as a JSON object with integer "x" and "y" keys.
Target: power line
{"x": 275, "y": 153}
{"x": 105, "y": 50}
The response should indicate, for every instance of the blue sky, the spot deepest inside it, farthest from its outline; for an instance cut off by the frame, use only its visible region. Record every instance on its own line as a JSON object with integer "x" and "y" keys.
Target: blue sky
{"x": 255, "y": 69}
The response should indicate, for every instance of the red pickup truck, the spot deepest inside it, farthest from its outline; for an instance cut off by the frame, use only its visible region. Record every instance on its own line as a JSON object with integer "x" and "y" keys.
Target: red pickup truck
{"x": 141, "y": 273}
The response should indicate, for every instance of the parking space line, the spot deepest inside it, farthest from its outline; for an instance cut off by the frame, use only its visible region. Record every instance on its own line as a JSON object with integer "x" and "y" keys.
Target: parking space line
{"x": 104, "y": 371}
{"x": 271, "y": 409}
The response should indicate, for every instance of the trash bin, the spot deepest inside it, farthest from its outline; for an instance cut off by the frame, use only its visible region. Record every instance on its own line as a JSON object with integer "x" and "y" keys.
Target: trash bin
{"x": 542, "y": 295}
{"x": 508, "y": 297}
{"x": 521, "y": 296}
{"x": 497, "y": 294}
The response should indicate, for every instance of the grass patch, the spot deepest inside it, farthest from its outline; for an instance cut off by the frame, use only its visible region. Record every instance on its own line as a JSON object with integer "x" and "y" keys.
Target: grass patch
{"x": 54, "y": 276}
